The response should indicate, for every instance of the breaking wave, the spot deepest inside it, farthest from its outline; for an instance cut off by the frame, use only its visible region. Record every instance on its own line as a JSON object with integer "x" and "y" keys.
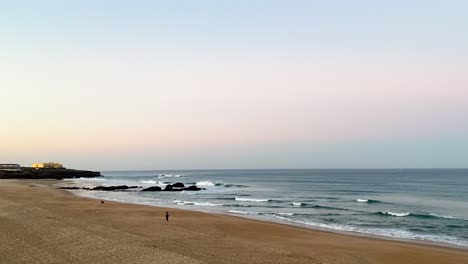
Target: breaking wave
{"x": 298, "y": 204}
{"x": 288, "y": 214}
{"x": 152, "y": 182}
{"x": 87, "y": 179}
{"x": 179, "y": 202}
{"x": 394, "y": 214}
{"x": 251, "y": 200}
{"x": 422, "y": 216}
{"x": 205, "y": 183}
{"x": 218, "y": 184}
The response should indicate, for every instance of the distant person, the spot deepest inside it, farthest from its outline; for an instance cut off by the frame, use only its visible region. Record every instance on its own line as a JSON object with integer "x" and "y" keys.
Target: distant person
{"x": 167, "y": 216}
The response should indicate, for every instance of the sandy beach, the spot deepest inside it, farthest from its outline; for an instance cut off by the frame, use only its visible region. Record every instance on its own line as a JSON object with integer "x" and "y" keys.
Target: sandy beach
{"x": 40, "y": 224}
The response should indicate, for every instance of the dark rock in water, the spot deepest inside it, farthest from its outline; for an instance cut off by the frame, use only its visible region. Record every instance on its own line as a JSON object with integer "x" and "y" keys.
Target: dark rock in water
{"x": 178, "y": 185}
{"x": 192, "y": 188}
{"x": 170, "y": 188}
{"x": 152, "y": 189}
{"x": 72, "y": 188}
{"x": 113, "y": 188}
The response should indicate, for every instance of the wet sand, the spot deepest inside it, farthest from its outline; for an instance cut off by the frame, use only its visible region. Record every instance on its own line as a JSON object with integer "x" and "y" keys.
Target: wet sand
{"x": 39, "y": 224}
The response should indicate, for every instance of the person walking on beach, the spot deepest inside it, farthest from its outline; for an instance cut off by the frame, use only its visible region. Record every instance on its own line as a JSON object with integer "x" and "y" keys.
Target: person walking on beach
{"x": 167, "y": 216}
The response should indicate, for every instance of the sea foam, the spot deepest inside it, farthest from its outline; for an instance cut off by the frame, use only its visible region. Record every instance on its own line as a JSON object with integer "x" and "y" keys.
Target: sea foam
{"x": 152, "y": 182}
{"x": 87, "y": 179}
{"x": 179, "y": 202}
{"x": 251, "y": 200}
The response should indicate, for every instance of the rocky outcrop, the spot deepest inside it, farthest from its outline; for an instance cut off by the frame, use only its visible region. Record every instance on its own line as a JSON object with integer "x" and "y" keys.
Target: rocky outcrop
{"x": 73, "y": 188}
{"x": 113, "y": 188}
{"x": 193, "y": 188}
{"x": 178, "y": 185}
{"x": 32, "y": 173}
{"x": 171, "y": 188}
{"x": 152, "y": 189}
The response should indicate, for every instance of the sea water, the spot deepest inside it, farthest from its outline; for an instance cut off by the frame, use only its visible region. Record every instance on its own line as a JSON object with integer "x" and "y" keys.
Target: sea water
{"x": 418, "y": 204}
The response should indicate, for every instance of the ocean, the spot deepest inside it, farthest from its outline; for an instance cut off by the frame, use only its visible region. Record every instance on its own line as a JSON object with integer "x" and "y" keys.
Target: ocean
{"x": 415, "y": 204}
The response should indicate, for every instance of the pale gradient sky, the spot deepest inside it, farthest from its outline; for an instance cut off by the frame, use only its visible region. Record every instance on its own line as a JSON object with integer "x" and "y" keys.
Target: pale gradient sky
{"x": 234, "y": 84}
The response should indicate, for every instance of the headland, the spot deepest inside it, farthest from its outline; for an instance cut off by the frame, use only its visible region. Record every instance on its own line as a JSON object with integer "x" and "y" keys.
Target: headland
{"x": 46, "y": 173}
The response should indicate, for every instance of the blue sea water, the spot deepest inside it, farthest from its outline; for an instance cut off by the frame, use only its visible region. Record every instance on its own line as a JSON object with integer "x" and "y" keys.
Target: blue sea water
{"x": 419, "y": 204}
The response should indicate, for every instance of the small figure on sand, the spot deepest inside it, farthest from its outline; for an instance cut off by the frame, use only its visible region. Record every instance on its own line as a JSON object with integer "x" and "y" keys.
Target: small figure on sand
{"x": 167, "y": 216}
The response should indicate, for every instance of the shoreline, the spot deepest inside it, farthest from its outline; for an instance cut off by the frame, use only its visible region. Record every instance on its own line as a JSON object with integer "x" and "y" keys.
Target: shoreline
{"x": 306, "y": 227}
{"x": 193, "y": 236}
{"x": 285, "y": 223}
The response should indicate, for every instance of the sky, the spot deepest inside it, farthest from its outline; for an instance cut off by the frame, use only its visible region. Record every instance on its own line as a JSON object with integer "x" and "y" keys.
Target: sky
{"x": 124, "y": 85}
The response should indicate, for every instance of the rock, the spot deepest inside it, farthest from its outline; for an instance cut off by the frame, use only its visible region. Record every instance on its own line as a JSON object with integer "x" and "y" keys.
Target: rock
{"x": 170, "y": 188}
{"x": 192, "y": 188}
{"x": 113, "y": 188}
{"x": 71, "y": 188}
{"x": 178, "y": 185}
{"x": 152, "y": 189}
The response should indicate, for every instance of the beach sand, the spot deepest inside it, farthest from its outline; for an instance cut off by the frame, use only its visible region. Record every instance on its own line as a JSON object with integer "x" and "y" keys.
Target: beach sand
{"x": 40, "y": 224}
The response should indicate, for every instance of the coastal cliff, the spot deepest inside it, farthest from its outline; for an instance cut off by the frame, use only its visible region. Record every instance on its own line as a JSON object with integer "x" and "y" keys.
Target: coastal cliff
{"x": 32, "y": 173}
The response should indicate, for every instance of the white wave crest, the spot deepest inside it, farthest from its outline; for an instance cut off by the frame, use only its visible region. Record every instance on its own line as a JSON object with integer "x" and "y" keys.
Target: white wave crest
{"x": 396, "y": 214}
{"x": 87, "y": 179}
{"x": 208, "y": 204}
{"x": 183, "y": 202}
{"x": 205, "y": 183}
{"x": 179, "y": 202}
{"x": 251, "y": 200}
{"x": 289, "y": 214}
{"x": 362, "y": 200}
{"x": 151, "y": 182}
{"x": 297, "y": 203}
